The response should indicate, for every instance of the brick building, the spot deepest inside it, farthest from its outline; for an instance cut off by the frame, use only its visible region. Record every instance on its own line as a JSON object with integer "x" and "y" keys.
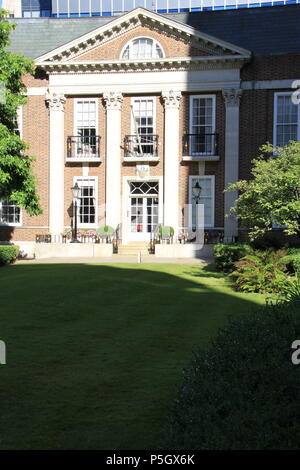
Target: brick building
{"x": 137, "y": 109}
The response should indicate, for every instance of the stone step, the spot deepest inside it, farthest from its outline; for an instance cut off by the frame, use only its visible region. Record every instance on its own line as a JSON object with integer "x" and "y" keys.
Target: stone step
{"x": 133, "y": 252}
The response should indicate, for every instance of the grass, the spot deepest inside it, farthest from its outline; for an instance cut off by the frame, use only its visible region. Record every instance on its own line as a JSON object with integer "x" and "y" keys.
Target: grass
{"x": 95, "y": 352}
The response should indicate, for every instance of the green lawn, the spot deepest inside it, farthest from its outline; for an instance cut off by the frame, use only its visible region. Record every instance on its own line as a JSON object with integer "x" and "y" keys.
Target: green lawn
{"x": 95, "y": 352}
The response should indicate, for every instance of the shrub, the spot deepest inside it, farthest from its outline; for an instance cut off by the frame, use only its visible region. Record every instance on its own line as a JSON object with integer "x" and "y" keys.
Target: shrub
{"x": 292, "y": 263}
{"x": 291, "y": 290}
{"x": 8, "y": 254}
{"x": 262, "y": 271}
{"x": 267, "y": 241}
{"x": 243, "y": 392}
{"x": 226, "y": 255}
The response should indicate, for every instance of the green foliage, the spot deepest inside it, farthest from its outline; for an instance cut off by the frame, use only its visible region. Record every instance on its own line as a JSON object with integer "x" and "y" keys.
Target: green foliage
{"x": 268, "y": 240}
{"x": 243, "y": 393}
{"x": 291, "y": 290}
{"x": 226, "y": 255}
{"x": 271, "y": 196}
{"x": 292, "y": 263}
{"x": 261, "y": 271}
{"x": 17, "y": 181}
{"x": 8, "y": 254}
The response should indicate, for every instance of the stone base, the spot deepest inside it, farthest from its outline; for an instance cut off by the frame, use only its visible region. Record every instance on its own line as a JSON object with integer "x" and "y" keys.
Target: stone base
{"x": 188, "y": 250}
{"x": 64, "y": 250}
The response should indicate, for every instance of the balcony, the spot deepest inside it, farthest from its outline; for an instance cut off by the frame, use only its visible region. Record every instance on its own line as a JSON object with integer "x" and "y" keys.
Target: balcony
{"x": 83, "y": 148}
{"x": 200, "y": 147}
{"x": 143, "y": 147}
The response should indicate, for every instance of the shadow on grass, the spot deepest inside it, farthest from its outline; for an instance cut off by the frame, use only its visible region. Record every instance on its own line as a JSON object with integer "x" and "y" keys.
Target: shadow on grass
{"x": 95, "y": 352}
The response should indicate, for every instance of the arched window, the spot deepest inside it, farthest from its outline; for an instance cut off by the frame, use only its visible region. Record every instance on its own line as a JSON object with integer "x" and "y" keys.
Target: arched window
{"x": 142, "y": 48}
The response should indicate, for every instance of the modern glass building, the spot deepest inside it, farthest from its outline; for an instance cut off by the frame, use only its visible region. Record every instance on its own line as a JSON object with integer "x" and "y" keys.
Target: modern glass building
{"x": 72, "y": 8}
{"x": 84, "y": 8}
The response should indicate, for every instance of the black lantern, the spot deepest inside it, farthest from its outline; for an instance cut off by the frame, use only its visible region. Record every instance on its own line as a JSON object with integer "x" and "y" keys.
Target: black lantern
{"x": 197, "y": 191}
{"x": 76, "y": 191}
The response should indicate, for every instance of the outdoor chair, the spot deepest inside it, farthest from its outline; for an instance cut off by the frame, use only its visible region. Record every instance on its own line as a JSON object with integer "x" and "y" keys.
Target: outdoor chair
{"x": 166, "y": 233}
{"x": 106, "y": 232}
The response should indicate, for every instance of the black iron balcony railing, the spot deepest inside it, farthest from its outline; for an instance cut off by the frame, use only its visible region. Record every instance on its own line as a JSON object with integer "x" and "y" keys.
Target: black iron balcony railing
{"x": 143, "y": 145}
{"x": 200, "y": 145}
{"x": 83, "y": 147}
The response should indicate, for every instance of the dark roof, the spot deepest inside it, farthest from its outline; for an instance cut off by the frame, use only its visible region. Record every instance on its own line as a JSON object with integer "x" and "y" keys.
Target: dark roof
{"x": 264, "y": 31}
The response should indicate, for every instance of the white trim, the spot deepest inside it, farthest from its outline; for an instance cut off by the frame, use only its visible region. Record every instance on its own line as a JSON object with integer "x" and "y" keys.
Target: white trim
{"x": 148, "y": 98}
{"x": 95, "y": 179}
{"x": 276, "y": 95}
{"x": 19, "y": 224}
{"x": 202, "y": 177}
{"x": 125, "y": 201}
{"x": 85, "y": 98}
{"x": 157, "y": 18}
{"x": 201, "y": 158}
{"x": 213, "y": 125}
{"x": 20, "y": 120}
{"x": 129, "y": 43}
{"x": 267, "y": 84}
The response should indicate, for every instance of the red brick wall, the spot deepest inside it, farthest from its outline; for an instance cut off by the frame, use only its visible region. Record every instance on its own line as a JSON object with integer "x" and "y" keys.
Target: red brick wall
{"x": 111, "y": 50}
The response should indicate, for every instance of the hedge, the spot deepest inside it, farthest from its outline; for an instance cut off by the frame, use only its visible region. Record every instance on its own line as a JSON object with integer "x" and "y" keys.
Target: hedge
{"x": 226, "y": 255}
{"x": 8, "y": 254}
{"x": 244, "y": 391}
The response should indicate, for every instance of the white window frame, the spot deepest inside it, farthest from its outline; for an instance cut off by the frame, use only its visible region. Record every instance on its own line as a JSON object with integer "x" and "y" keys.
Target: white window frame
{"x": 20, "y": 121}
{"x": 8, "y": 224}
{"x": 85, "y": 98}
{"x": 78, "y": 180}
{"x": 155, "y": 43}
{"x": 276, "y": 95}
{"x": 213, "y": 125}
{"x": 192, "y": 178}
{"x": 139, "y": 98}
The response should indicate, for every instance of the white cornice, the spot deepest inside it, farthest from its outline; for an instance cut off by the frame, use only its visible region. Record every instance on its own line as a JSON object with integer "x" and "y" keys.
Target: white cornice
{"x": 129, "y": 20}
{"x": 177, "y": 63}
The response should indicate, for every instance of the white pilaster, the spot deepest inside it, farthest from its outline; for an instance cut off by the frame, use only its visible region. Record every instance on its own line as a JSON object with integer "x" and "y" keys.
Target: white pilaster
{"x": 113, "y": 102}
{"x": 232, "y": 98}
{"x": 171, "y": 157}
{"x": 56, "y": 104}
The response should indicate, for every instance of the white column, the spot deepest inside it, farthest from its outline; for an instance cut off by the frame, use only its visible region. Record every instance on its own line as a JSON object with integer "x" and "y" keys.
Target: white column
{"x": 171, "y": 156}
{"x": 232, "y": 98}
{"x": 113, "y": 102}
{"x": 56, "y": 103}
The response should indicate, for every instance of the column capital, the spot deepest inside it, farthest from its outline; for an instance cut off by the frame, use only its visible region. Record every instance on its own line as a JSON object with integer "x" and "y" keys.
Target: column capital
{"x": 113, "y": 100}
{"x": 171, "y": 99}
{"x": 55, "y": 101}
{"x": 232, "y": 96}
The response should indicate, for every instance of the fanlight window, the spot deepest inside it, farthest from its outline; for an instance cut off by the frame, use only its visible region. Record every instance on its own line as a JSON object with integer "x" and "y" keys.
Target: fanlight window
{"x": 142, "y": 48}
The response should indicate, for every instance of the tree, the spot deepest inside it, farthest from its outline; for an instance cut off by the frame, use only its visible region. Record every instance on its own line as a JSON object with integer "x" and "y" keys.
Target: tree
{"x": 17, "y": 181}
{"x": 273, "y": 195}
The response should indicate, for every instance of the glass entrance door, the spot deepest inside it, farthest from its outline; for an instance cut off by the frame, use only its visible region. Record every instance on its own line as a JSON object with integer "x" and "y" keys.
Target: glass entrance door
{"x": 143, "y": 210}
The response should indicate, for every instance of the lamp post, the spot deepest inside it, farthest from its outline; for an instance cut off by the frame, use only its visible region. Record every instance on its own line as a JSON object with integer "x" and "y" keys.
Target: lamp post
{"x": 196, "y": 190}
{"x": 76, "y": 191}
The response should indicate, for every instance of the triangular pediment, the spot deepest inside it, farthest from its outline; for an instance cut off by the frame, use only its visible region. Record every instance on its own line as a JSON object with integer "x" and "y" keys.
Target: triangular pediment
{"x": 94, "y": 46}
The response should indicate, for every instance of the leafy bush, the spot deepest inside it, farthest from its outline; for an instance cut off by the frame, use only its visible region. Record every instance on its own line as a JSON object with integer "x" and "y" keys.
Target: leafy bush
{"x": 267, "y": 241}
{"x": 243, "y": 392}
{"x": 291, "y": 290}
{"x": 226, "y": 255}
{"x": 8, "y": 254}
{"x": 261, "y": 271}
{"x": 292, "y": 263}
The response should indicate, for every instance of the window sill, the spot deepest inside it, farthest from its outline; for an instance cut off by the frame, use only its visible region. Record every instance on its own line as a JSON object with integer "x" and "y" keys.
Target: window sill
{"x": 141, "y": 159}
{"x": 83, "y": 159}
{"x": 201, "y": 158}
